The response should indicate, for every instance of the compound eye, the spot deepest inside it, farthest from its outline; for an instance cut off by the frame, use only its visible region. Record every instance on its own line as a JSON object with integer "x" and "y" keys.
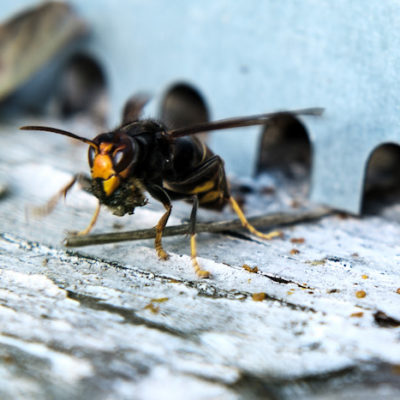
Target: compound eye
{"x": 91, "y": 156}
{"x": 119, "y": 155}
{"x": 122, "y": 158}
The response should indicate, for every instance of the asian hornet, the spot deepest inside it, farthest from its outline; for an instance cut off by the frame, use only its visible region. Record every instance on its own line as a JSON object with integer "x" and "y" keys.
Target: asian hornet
{"x": 143, "y": 155}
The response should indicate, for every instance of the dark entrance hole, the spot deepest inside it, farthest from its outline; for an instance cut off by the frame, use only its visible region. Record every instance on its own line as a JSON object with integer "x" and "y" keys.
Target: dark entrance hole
{"x": 183, "y": 106}
{"x": 285, "y": 146}
{"x": 82, "y": 89}
{"x": 382, "y": 180}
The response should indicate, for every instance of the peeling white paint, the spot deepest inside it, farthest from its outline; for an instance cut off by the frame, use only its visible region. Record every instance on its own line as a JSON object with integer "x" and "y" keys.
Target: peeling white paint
{"x": 65, "y": 367}
{"x": 92, "y": 318}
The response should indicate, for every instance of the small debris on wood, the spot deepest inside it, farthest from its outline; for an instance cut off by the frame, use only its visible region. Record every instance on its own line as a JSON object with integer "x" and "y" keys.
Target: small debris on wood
{"x": 160, "y": 300}
{"x": 259, "y": 296}
{"x": 317, "y": 262}
{"x": 360, "y": 294}
{"x": 330, "y": 291}
{"x": 253, "y": 270}
{"x": 385, "y": 321}
{"x": 151, "y": 307}
{"x": 297, "y": 240}
{"x": 357, "y": 314}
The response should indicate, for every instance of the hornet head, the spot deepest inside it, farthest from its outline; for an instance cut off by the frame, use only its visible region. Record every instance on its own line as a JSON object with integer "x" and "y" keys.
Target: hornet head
{"x": 112, "y": 156}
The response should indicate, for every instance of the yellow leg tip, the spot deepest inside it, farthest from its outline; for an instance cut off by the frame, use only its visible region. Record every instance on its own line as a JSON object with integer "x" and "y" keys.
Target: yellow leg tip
{"x": 245, "y": 223}
{"x": 203, "y": 274}
{"x": 269, "y": 236}
{"x": 162, "y": 254}
{"x": 77, "y": 233}
{"x": 90, "y": 226}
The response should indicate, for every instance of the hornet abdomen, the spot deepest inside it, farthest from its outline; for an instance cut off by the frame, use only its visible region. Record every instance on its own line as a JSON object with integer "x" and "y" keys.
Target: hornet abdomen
{"x": 197, "y": 171}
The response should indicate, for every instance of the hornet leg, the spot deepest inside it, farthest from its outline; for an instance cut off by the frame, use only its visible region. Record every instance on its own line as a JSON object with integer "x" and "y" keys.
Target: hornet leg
{"x": 161, "y": 195}
{"x": 246, "y": 224}
{"x": 159, "y": 231}
{"x": 51, "y": 204}
{"x": 42, "y": 211}
{"x": 200, "y": 272}
{"x": 91, "y": 223}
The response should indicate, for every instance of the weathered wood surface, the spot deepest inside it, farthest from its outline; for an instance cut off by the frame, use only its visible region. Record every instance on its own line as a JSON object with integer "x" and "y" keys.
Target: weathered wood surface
{"x": 113, "y": 322}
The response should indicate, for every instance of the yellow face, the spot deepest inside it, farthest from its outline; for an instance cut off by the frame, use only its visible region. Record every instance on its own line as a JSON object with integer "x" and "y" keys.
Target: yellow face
{"x": 106, "y": 162}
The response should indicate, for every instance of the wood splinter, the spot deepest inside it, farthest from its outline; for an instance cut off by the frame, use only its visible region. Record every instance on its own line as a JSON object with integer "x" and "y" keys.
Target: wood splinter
{"x": 265, "y": 221}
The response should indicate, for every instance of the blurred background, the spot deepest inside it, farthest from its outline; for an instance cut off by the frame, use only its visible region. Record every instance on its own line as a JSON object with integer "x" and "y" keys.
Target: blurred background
{"x": 79, "y": 63}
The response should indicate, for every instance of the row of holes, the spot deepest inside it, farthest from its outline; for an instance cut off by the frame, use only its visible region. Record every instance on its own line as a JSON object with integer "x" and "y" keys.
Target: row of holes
{"x": 285, "y": 142}
{"x": 285, "y": 145}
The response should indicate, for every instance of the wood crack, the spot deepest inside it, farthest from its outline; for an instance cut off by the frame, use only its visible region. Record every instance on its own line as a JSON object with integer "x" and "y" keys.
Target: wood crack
{"x": 128, "y": 314}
